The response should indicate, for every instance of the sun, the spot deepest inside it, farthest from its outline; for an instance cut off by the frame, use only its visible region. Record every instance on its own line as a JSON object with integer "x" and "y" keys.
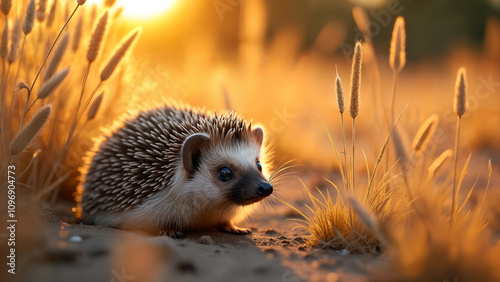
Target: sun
{"x": 143, "y": 9}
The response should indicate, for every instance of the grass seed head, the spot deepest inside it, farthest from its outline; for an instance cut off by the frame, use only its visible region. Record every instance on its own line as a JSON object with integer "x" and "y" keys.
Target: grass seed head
{"x": 97, "y": 38}
{"x": 362, "y": 21}
{"x": 397, "y": 58}
{"x": 439, "y": 163}
{"x": 356, "y": 80}
{"x": 339, "y": 89}
{"x": 40, "y": 12}
{"x": 118, "y": 54}
{"x": 81, "y": 2}
{"x": 5, "y": 6}
{"x": 52, "y": 14}
{"x": 30, "y": 131}
{"x": 52, "y": 84}
{"x": 4, "y": 44}
{"x": 15, "y": 40}
{"x": 29, "y": 19}
{"x": 56, "y": 58}
{"x": 460, "y": 103}
{"x": 94, "y": 108}
{"x": 77, "y": 34}
{"x": 425, "y": 133}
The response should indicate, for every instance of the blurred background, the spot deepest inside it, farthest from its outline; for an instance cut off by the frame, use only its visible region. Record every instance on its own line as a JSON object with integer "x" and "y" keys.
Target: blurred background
{"x": 275, "y": 62}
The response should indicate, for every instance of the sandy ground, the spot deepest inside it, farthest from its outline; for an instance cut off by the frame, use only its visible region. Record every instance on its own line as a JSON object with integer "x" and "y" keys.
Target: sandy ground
{"x": 51, "y": 249}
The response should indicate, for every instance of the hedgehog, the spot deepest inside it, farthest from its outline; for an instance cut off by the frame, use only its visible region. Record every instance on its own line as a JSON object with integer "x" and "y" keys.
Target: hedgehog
{"x": 170, "y": 170}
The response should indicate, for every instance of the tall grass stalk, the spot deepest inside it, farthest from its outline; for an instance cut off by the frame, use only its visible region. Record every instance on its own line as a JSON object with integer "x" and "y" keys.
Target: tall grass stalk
{"x": 459, "y": 106}
{"x": 354, "y": 99}
{"x": 339, "y": 90}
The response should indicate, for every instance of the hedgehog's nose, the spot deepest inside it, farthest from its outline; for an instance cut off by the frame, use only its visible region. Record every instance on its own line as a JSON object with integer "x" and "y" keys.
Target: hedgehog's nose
{"x": 265, "y": 189}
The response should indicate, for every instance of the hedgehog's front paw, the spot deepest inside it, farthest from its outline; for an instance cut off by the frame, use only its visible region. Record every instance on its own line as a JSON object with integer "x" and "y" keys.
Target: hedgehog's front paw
{"x": 172, "y": 233}
{"x": 231, "y": 229}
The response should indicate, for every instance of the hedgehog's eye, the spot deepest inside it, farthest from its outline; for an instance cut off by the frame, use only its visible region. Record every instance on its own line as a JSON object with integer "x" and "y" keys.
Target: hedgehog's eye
{"x": 225, "y": 173}
{"x": 259, "y": 166}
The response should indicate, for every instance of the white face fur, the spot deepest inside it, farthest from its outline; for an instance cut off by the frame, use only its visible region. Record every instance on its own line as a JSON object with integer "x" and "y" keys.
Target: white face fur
{"x": 226, "y": 174}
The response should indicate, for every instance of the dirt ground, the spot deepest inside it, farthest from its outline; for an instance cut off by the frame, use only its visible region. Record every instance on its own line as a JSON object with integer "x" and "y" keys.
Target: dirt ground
{"x": 51, "y": 249}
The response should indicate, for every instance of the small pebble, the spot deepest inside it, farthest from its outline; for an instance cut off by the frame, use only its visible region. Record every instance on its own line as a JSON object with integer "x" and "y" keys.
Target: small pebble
{"x": 299, "y": 240}
{"x": 282, "y": 237}
{"x": 186, "y": 266}
{"x": 261, "y": 269}
{"x": 270, "y": 231}
{"x": 285, "y": 243}
{"x": 302, "y": 248}
{"x": 206, "y": 240}
{"x": 270, "y": 250}
{"x": 344, "y": 252}
{"x": 75, "y": 239}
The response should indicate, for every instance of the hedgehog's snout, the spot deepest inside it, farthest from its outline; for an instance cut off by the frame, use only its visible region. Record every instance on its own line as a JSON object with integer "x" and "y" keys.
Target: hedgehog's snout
{"x": 265, "y": 189}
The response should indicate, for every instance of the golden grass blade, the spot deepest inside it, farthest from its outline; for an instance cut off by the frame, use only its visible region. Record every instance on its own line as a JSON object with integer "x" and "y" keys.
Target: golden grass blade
{"x": 468, "y": 196}
{"x": 490, "y": 171}
{"x": 292, "y": 207}
{"x": 29, "y": 132}
{"x": 464, "y": 171}
{"x": 336, "y": 153}
{"x": 382, "y": 151}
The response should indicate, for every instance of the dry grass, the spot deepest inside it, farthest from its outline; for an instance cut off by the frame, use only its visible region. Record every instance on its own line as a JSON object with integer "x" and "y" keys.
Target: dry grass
{"x": 428, "y": 231}
{"x": 33, "y": 79}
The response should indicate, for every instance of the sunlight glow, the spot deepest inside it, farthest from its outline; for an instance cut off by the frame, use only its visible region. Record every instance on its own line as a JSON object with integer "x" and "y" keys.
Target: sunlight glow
{"x": 142, "y": 8}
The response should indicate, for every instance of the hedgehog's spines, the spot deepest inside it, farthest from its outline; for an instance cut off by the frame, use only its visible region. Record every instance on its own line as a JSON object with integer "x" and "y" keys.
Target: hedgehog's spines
{"x": 147, "y": 148}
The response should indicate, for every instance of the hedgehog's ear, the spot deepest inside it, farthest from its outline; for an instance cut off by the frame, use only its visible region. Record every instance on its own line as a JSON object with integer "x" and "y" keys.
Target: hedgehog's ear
{"x": 258, "y": 135}
{"x": 191, "y": 151}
